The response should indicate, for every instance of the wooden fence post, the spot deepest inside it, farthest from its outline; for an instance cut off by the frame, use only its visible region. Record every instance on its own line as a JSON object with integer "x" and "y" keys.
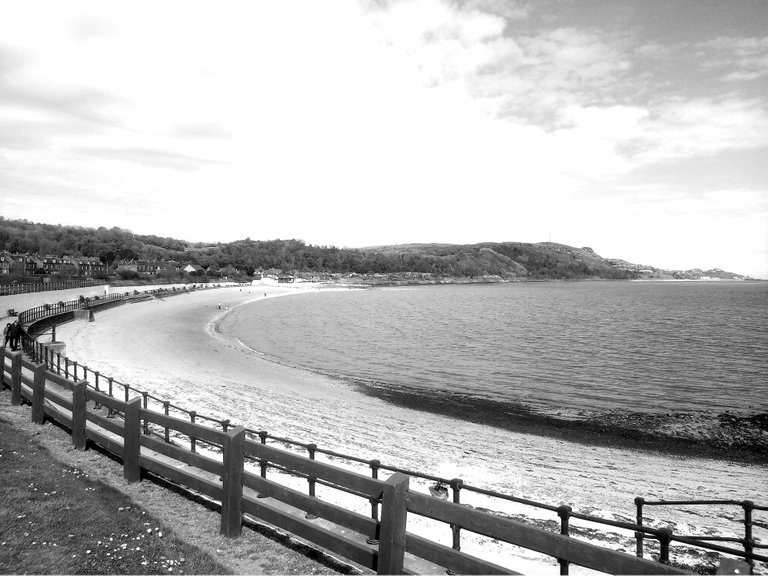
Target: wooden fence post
{"x": 393, "y": 520}
{"x": 38, "y": 394}
{"x": 78, "y": 414}
{"x": 232, "y": 483}
{"x": 132, "y": 441}
{"x": 16, "y": 378}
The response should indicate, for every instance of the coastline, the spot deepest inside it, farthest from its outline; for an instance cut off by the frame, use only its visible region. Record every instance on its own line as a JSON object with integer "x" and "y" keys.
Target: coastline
{"x": 722, "y": 436}
{"x": 169, "y": 347}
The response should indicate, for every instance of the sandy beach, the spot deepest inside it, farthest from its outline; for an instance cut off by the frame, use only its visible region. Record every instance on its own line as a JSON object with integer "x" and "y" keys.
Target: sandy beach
{"x": 171, "y": 348}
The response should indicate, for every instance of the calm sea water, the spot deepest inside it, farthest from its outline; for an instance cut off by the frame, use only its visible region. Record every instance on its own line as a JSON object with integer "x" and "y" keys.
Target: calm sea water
{"x": 547, "y": 347}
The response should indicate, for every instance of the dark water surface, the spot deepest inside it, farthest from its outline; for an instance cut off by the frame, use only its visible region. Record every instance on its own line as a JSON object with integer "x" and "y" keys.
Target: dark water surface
{"x": 546, "y": 347}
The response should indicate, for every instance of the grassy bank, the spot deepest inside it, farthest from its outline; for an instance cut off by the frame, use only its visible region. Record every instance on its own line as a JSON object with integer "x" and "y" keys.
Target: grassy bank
{"x": 66, "y": 511}
{"x": 57, "y": 519}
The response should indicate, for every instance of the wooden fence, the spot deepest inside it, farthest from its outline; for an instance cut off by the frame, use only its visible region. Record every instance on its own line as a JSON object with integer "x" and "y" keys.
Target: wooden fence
{"x": 238, "y": 480}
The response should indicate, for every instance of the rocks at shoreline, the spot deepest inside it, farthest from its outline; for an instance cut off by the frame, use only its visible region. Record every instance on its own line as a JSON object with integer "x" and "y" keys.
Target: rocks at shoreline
{"x": 707, "y": 433}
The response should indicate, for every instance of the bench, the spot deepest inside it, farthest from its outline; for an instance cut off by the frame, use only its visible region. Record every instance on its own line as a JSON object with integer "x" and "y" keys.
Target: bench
{"x": 12, "y": 312}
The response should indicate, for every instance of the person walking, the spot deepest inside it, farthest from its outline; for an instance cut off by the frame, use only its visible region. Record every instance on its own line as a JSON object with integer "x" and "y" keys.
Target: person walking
{"x": 6, "y": 334}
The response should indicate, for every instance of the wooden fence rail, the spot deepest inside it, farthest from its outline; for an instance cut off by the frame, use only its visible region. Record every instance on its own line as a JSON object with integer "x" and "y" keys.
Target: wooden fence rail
{"x": 233, "y": 478}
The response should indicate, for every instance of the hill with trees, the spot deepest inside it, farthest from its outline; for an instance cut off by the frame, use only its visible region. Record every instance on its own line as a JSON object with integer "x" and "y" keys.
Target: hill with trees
{"x": 397, "y": 263}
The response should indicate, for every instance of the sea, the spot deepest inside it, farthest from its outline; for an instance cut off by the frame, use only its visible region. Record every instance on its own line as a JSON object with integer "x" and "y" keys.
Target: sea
{"x": 558, "y": 348}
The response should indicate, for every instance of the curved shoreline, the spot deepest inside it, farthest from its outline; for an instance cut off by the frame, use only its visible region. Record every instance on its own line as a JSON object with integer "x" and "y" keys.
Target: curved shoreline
{"x": 164, "y": 347}
{"x": 723, "y": 436}
{"x": 726, "y": 436}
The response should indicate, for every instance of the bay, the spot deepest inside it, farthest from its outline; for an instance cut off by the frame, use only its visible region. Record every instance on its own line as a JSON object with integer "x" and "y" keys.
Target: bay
{"x": 554, "y": 347}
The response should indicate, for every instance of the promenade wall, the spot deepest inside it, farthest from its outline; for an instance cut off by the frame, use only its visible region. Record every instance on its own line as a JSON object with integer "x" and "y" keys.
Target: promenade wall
{"x": 21, "y": 302}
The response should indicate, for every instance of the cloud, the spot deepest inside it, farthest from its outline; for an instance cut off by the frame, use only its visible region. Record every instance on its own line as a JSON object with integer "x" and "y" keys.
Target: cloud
{"x": 738, "y": 59}
{"x": 679, "y": 128}
{"x": 208, "y": 130}
{"x": 92, "y": 27}
{"x": 148, "y": 157}
{"x": 34, "y": 112}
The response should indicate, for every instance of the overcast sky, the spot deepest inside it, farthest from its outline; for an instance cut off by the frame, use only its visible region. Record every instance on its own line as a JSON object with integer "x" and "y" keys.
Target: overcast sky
{"x": 638, "y": 128}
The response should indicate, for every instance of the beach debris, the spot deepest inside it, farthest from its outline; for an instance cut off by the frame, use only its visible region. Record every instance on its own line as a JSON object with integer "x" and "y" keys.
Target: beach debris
{"x": 439, "y": 490}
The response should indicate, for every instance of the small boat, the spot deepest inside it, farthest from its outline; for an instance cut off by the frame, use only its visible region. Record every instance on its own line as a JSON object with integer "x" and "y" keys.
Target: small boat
{"x": 439, "y": 490}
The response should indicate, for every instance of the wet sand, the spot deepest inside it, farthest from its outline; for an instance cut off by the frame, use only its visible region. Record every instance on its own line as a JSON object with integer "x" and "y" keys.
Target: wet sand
{"x": 170, "y": 347}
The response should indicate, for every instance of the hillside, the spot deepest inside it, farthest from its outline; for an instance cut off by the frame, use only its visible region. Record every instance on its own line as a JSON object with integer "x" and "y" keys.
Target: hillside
{"x": 401, "y": 263}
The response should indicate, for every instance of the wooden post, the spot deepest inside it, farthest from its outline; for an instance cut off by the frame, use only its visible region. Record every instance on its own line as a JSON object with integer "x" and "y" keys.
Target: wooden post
{"x": 38, "y": 394}
{"x": 78, "y": 414}
{"x": 16, "y": 378}
{"x": 393, "y": 519}
{"x": 665, "y": 537}
{"x": 132, "y": 441}
{"x": 232, "y": 483}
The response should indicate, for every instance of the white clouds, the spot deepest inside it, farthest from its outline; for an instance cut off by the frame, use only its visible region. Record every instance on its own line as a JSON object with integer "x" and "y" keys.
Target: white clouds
{"x": 740, "y": 59}
{"x": 683, "y": 128}
{"x": 356, "y": 124}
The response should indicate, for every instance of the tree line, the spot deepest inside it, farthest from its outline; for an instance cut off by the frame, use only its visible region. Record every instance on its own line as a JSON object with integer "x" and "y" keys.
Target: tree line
{"x": 506, "y": 259}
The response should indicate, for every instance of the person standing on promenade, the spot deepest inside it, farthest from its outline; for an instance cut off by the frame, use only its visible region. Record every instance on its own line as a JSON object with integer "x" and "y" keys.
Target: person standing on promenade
{"x": 14, "y": 334}
{"x": 6, "y": 334}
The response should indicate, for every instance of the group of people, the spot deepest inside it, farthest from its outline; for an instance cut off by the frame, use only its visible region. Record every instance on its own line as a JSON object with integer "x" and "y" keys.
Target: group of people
{"x": 12, "y": 335}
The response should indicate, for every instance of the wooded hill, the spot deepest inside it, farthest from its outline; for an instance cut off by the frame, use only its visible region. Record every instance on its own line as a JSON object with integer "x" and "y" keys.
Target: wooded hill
{"x": 505, "y": 260}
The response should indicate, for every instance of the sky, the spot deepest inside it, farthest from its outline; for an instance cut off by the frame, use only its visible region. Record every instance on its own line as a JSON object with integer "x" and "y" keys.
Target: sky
{"x": 637, "y": 128}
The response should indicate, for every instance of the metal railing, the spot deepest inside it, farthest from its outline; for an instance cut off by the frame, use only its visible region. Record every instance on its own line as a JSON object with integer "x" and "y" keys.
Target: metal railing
{"x": 748, "y": 542}
{"x": 30, "y": 287}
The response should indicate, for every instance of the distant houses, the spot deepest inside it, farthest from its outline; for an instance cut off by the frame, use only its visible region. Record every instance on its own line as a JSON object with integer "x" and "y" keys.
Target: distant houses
{"x": 30, "y": 264}
{"x": 91, "y": 267}
{"x": 148, "y": 267}
{"x": 193, "y": 269}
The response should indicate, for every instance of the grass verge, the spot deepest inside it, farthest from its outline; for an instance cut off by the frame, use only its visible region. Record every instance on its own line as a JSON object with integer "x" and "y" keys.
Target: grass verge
{"x": 56, "y": 519}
